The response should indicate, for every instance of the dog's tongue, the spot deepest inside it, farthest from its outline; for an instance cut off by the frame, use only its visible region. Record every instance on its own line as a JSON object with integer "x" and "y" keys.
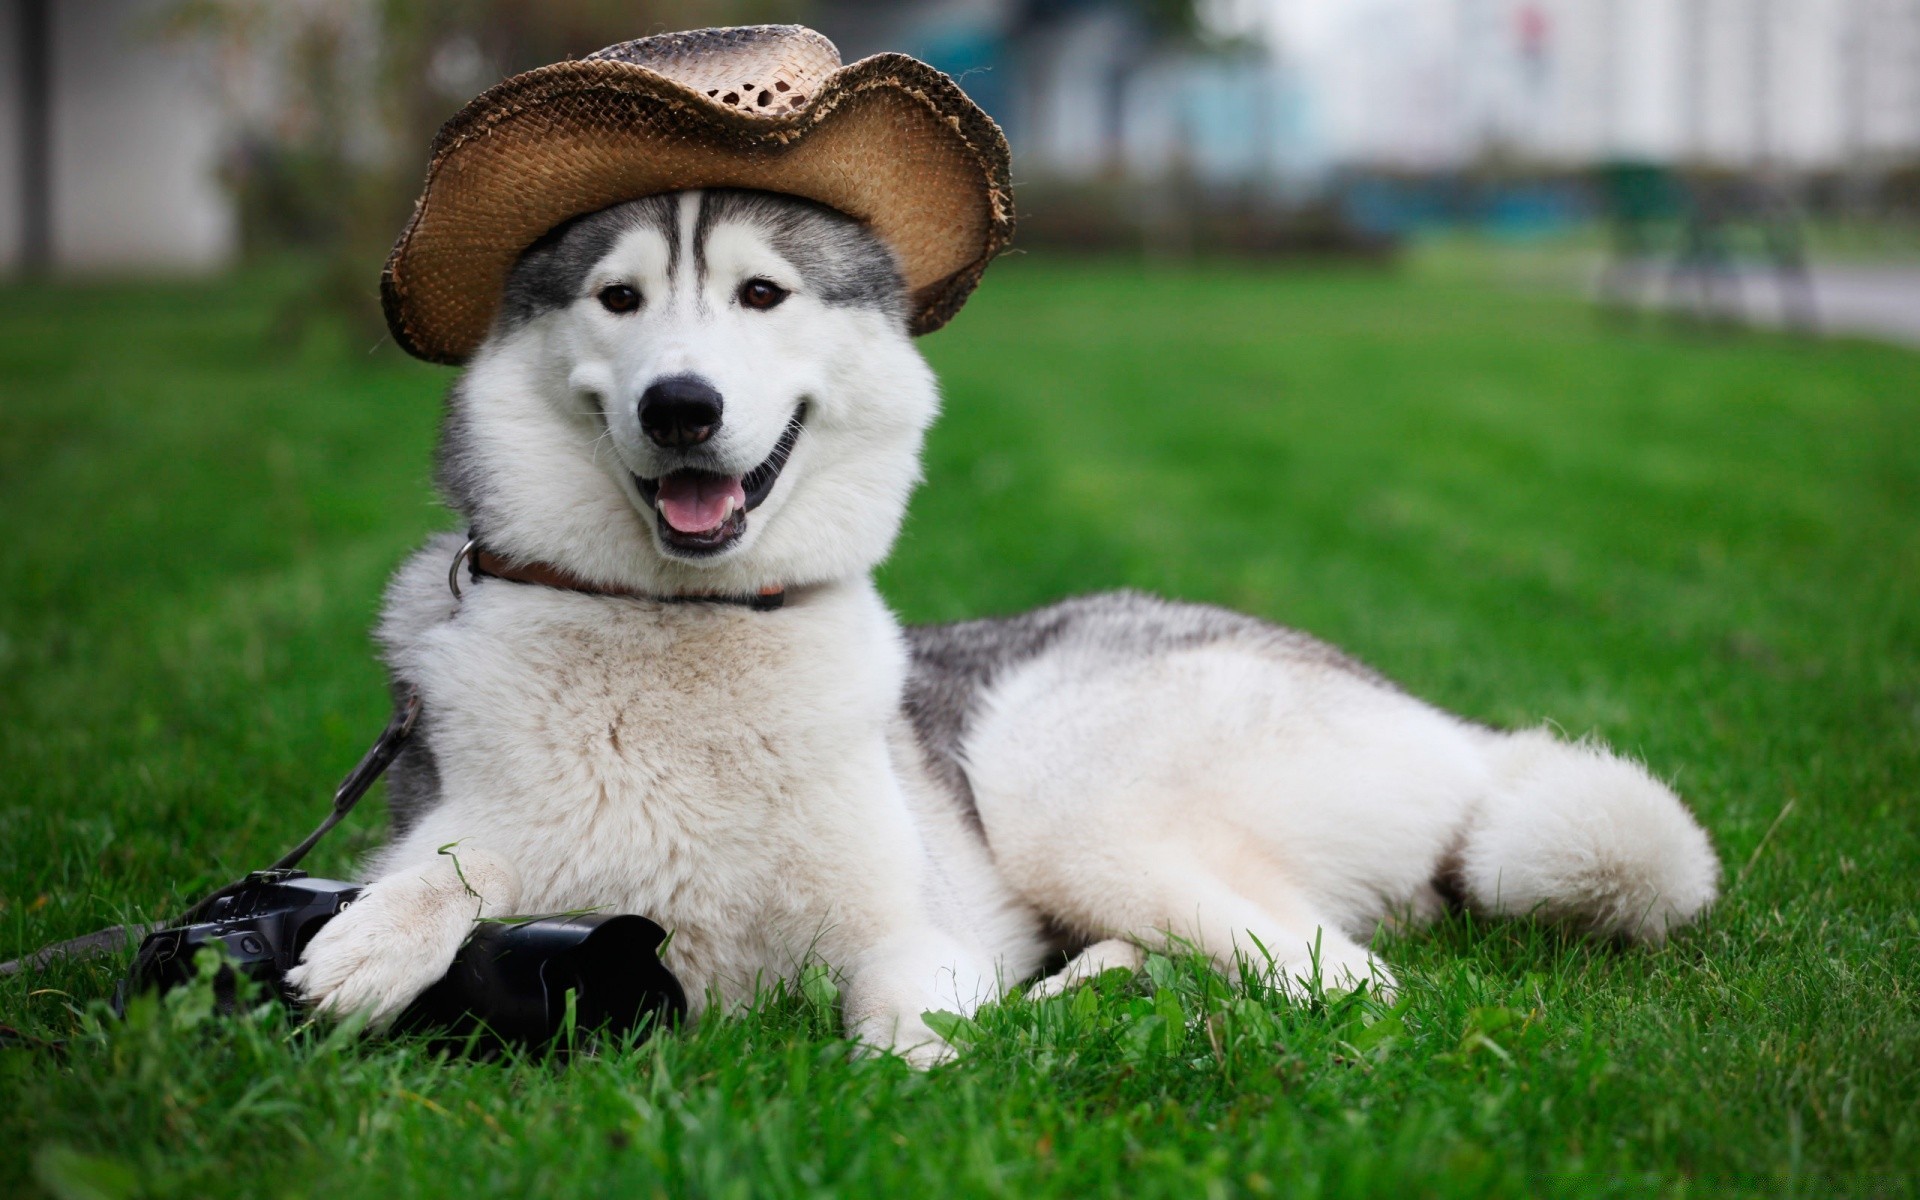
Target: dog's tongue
{"x": 695, "y": 501}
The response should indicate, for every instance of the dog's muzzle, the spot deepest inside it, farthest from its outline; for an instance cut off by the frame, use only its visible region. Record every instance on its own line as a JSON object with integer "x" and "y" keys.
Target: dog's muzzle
{"x": 700, "y": 513}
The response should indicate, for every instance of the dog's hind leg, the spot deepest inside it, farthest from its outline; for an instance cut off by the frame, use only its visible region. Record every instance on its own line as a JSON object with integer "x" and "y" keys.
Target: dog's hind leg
{"x": 1171, "y": 901}
{"x": 1268, "y": 814}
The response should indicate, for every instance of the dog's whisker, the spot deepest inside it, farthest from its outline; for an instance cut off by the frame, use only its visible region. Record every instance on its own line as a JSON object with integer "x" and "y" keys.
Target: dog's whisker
{"x": 606, "y": 435}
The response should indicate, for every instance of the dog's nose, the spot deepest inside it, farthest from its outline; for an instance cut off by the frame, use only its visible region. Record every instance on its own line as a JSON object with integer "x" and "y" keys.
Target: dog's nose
{"x": 679, "y": 411}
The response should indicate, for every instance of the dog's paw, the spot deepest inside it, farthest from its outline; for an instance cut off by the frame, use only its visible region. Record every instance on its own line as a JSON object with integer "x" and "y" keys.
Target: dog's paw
{"x": 930, "y": 1053}
{"x": 903, "y": 1033}
{"x": 1298, "y": 981}
{"x": 376, "y": 957}
{"x": 1113, "y": 954}
{"x": 1057, "y": 984}
{"x": 907, "y": 1038}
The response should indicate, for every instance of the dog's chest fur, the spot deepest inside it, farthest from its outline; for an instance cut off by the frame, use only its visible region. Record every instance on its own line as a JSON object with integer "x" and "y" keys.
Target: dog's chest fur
{"x": 704, "y": 764}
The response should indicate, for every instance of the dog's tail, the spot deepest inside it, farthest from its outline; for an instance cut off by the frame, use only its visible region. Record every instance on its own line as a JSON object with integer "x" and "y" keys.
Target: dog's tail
{"x": 1572, "y": 832}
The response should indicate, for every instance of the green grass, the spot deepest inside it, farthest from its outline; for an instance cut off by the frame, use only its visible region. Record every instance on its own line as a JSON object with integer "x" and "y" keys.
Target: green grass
{"x": 1706, "y": 551}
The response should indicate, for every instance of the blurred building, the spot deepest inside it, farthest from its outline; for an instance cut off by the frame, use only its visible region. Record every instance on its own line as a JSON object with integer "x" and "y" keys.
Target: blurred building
{"x": 1291, "y": 90}
{"x": 113, "y": 135}
{"x": 1807, "y": 84}
{"x": 110, "y": 142}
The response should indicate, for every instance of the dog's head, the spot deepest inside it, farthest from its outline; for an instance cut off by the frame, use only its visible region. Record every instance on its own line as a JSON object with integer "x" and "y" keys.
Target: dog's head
{"x": 704, "y": 391}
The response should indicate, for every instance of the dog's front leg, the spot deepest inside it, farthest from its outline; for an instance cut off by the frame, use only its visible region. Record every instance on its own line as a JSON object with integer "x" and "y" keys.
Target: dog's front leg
{"x": 892, "y": 987}
{"x": 887, "y": 924}
{"x": 400, "y": 935}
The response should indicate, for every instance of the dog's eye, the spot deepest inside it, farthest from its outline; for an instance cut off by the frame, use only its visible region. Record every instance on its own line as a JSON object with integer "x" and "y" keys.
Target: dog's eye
{"x": 761, "y": 293}
{"x": 619, "y": 298}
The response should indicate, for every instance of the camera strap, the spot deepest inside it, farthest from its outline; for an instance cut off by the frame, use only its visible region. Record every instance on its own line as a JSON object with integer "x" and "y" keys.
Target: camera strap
{"x": 373, "y": 764}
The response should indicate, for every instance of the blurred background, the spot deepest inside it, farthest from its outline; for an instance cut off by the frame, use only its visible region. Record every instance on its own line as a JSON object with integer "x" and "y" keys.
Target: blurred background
{"x": 1419, "y": 325}
{"x": 1735, "y": 158}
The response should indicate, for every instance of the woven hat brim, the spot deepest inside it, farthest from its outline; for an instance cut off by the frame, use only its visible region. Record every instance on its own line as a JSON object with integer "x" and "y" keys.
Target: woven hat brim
{"x": 887, "y": 140}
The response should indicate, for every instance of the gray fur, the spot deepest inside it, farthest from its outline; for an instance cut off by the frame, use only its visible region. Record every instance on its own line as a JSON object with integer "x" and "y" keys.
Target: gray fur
{"x": 955, "y": 664}
{"x": 413, "y": 782}
{"x": 457, "y": 471}
{"x": 552, "y": 273}
{"x": 840, "y": 260}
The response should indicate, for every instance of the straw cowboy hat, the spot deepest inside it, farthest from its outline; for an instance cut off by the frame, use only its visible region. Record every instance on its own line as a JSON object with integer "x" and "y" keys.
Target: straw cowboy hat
{"x": 888, "y": 140}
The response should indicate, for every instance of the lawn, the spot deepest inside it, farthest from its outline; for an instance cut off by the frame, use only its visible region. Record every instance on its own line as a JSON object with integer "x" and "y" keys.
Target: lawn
{"x": 1705, "y": 550}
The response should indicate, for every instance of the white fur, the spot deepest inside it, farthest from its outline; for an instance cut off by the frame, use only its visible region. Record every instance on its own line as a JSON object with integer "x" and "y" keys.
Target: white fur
{"x": 1571, "y": 832}
{"x": 748, "y": 778}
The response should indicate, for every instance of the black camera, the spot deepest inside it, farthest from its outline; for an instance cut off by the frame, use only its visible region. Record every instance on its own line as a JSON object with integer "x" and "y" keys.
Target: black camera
{"x": 522, "y": 982}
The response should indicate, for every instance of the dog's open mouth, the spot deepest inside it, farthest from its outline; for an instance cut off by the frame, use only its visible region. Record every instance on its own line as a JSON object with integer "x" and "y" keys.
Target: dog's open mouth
{"x": 704, "y": 512}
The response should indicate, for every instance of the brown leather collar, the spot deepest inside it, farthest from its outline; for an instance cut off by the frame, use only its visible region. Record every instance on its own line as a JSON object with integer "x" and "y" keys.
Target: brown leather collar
{"x": 485, "y": 564}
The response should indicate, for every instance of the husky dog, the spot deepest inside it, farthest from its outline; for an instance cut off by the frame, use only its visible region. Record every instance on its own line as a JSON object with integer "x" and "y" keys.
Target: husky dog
{"x": 700, "y": 397}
